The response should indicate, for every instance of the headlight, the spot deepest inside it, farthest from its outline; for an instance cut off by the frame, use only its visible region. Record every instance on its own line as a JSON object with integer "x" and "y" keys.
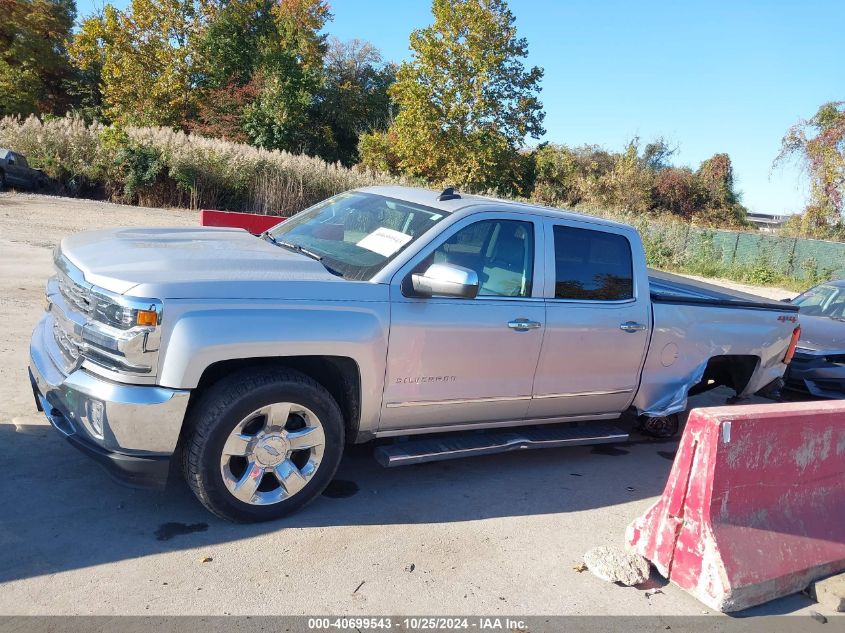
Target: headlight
{"x": 125, "y": 313}
{"x": 123, "y": 333}
{"x": 114, "y": 331}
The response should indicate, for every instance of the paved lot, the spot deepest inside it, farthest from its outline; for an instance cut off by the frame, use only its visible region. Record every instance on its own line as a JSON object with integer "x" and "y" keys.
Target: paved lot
{"x": 490, "y": 535}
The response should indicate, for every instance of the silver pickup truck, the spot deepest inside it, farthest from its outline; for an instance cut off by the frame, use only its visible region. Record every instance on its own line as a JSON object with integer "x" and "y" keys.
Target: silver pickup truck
{"x": 386, "y": 312}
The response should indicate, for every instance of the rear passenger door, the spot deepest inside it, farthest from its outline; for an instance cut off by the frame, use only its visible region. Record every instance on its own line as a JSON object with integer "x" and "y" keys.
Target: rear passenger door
{"x": 598, "y": 321}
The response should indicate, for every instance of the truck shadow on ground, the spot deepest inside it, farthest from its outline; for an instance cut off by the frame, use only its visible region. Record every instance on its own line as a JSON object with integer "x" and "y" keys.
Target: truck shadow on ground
{"x": 62, "y": 512}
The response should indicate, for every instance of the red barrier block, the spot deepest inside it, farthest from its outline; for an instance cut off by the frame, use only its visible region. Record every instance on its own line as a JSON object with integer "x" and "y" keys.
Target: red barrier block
{"x": 754, "y": 508}
{"x": 253, "y": 222}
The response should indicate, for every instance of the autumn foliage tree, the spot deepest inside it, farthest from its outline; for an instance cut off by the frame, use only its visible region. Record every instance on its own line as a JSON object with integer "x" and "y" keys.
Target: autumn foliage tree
{"x": 34, "y": 66}
{"x": 638, "y": 180}
{"x": 353, "y": 99}
{"x": 147, "y": 60}
{"x": 274, "y": 80}
{"x": 290, "y": 73}
{"x": 465, "y": 100}
{"x": 818, "y": 143}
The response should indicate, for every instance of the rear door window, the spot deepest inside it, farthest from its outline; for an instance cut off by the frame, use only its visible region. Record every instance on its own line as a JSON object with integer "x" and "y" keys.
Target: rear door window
{"x": 592, "y": 265}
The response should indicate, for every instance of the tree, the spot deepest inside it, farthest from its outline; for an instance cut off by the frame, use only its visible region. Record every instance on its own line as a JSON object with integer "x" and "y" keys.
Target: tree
{"x": 594, "y": 176}
{"x": 466, "y": 101}
{"x": 657, "y": 154}
{"x": 235, "y": 41}
{"x": 818, "y": 144}
{"x": 378, "y": 152}
{"x": 34, "y": 64}
{"x": 717, "y": 179}
{"x": 353, "y": 99}
{"x": 678, "y": 191}
{"x": 263, "y": 58}
{"x": 721, "y": 199}
{"x": 220, "y": 112}
{"x": 638, "y": 182}
{"x": 147, "y": 59}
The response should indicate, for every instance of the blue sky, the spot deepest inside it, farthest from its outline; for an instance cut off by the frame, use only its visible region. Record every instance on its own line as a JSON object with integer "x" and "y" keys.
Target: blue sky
{"x": 711, "y": 76}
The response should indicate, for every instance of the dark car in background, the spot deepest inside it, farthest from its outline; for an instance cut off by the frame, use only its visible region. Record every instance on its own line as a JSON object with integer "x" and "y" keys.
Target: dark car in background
{"x": 16, "y": 172}
{"x": 818, "y": 366}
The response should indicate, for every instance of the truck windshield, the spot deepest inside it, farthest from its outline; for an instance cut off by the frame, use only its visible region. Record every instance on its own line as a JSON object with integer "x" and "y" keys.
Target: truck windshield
{"x": 825, "y": 301}
{"x": 355, "y": 234}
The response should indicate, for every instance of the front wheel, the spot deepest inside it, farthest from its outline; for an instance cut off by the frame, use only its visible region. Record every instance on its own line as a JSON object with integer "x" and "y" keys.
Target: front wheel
{"x": 661, "y": 426}
{"x": 261, "y": 445}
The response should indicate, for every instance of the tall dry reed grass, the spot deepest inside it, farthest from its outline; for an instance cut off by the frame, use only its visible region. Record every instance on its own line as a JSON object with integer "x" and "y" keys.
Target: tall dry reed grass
{"x": 171, "y": 168}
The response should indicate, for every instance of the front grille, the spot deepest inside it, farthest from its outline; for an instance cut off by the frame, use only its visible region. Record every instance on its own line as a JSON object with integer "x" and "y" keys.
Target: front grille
{"x": 77, "y": 296}
{"x": 71, "y": 310}
{"x": 68, "y": 347}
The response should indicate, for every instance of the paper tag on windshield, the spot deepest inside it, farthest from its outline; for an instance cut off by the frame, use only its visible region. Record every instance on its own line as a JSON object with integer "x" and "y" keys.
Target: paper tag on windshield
{"x": 384, "y": 241}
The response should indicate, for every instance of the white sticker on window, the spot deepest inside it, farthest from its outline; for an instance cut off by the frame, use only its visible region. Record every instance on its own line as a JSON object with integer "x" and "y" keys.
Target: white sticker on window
{"x": 384, "y": 241}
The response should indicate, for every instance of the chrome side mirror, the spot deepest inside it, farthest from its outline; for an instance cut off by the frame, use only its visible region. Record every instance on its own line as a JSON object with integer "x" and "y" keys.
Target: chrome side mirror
{"x": 446, "y": 280}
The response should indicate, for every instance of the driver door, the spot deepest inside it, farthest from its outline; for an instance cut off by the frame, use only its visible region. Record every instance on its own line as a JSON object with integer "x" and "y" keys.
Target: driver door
{"x": 459, "y": 361}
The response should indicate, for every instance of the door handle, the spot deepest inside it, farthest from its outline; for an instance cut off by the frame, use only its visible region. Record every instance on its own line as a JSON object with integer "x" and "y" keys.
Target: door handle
{"x": 523, "y": 325}
{"x": 632, "y": 326}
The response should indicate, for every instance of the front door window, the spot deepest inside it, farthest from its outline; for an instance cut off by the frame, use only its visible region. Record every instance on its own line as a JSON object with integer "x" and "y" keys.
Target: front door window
{"x": 501, "y": 252}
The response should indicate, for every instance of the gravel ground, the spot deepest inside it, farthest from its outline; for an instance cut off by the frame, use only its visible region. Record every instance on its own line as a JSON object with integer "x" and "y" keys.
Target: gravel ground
{"x": 762, "y": 291}
{"x": 490, "y": 535}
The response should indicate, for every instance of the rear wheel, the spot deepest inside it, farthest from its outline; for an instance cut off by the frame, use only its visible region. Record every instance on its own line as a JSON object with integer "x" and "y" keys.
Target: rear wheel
{"x": 2, "y": 181}
{"x": 661, "y": 426}
{"x": 263, "y": 444}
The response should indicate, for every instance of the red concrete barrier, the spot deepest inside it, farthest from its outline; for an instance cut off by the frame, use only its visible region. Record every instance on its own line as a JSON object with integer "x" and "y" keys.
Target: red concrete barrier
{"x": 252, "y": 222}
{"x": 754, "y": 508}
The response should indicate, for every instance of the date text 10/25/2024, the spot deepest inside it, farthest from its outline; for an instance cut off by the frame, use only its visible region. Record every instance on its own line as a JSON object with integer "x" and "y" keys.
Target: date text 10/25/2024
{"x": 416, "y": 623}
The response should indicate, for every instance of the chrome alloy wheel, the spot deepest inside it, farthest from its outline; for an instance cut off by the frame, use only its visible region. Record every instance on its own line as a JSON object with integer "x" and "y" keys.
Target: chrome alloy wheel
{"x": 272, "y": 453}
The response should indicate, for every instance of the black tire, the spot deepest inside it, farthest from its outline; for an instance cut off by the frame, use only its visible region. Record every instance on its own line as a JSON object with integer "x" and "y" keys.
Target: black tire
{"x": 2, "y": 181}
{"x": 661, "y": 427}
{"x": 222, "y": 407}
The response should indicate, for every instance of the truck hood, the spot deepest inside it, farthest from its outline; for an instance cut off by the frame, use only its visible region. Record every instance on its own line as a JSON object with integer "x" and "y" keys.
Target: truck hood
{"x": 200, "y": 263}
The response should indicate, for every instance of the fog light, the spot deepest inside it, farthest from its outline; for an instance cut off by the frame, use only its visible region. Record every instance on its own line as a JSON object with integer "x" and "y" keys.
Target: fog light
{"x": 96, "y": 412}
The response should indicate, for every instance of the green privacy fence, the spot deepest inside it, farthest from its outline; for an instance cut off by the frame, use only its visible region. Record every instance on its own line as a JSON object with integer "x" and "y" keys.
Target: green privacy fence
{"x": 789, "y": 256}
{"x": 763, "y": 258}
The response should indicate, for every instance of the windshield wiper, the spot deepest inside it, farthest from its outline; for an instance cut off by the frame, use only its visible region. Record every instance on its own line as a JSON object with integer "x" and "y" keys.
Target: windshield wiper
{"x": 288, "y": 245}
{"x": 308, "y": 253}
{"x": 266, "y": 236}
{"x": 319, "y": 258}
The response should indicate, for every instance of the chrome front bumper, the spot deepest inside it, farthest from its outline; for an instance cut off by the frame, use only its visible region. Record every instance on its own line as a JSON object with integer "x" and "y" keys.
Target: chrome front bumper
{"x": 119, "y": 420}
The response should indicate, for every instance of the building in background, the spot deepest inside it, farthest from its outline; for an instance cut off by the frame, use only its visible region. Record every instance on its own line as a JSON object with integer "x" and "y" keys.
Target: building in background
{"x": 767, "y": 222}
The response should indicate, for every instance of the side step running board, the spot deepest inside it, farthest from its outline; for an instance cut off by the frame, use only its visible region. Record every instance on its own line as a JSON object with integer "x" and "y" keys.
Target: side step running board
{"x": 455, "y": 445}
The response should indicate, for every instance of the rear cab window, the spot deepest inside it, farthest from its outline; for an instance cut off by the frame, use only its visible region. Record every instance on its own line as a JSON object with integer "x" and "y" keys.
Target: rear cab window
{"x": 592, "y": 265}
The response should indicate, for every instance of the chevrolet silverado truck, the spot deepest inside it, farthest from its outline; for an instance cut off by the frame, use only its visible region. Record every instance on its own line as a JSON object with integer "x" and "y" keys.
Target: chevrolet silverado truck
{"x": 452, "y": 325}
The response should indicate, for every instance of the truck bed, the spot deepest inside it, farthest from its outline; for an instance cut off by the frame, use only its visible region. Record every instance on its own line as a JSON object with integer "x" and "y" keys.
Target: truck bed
{"x": 669, "y": 288}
